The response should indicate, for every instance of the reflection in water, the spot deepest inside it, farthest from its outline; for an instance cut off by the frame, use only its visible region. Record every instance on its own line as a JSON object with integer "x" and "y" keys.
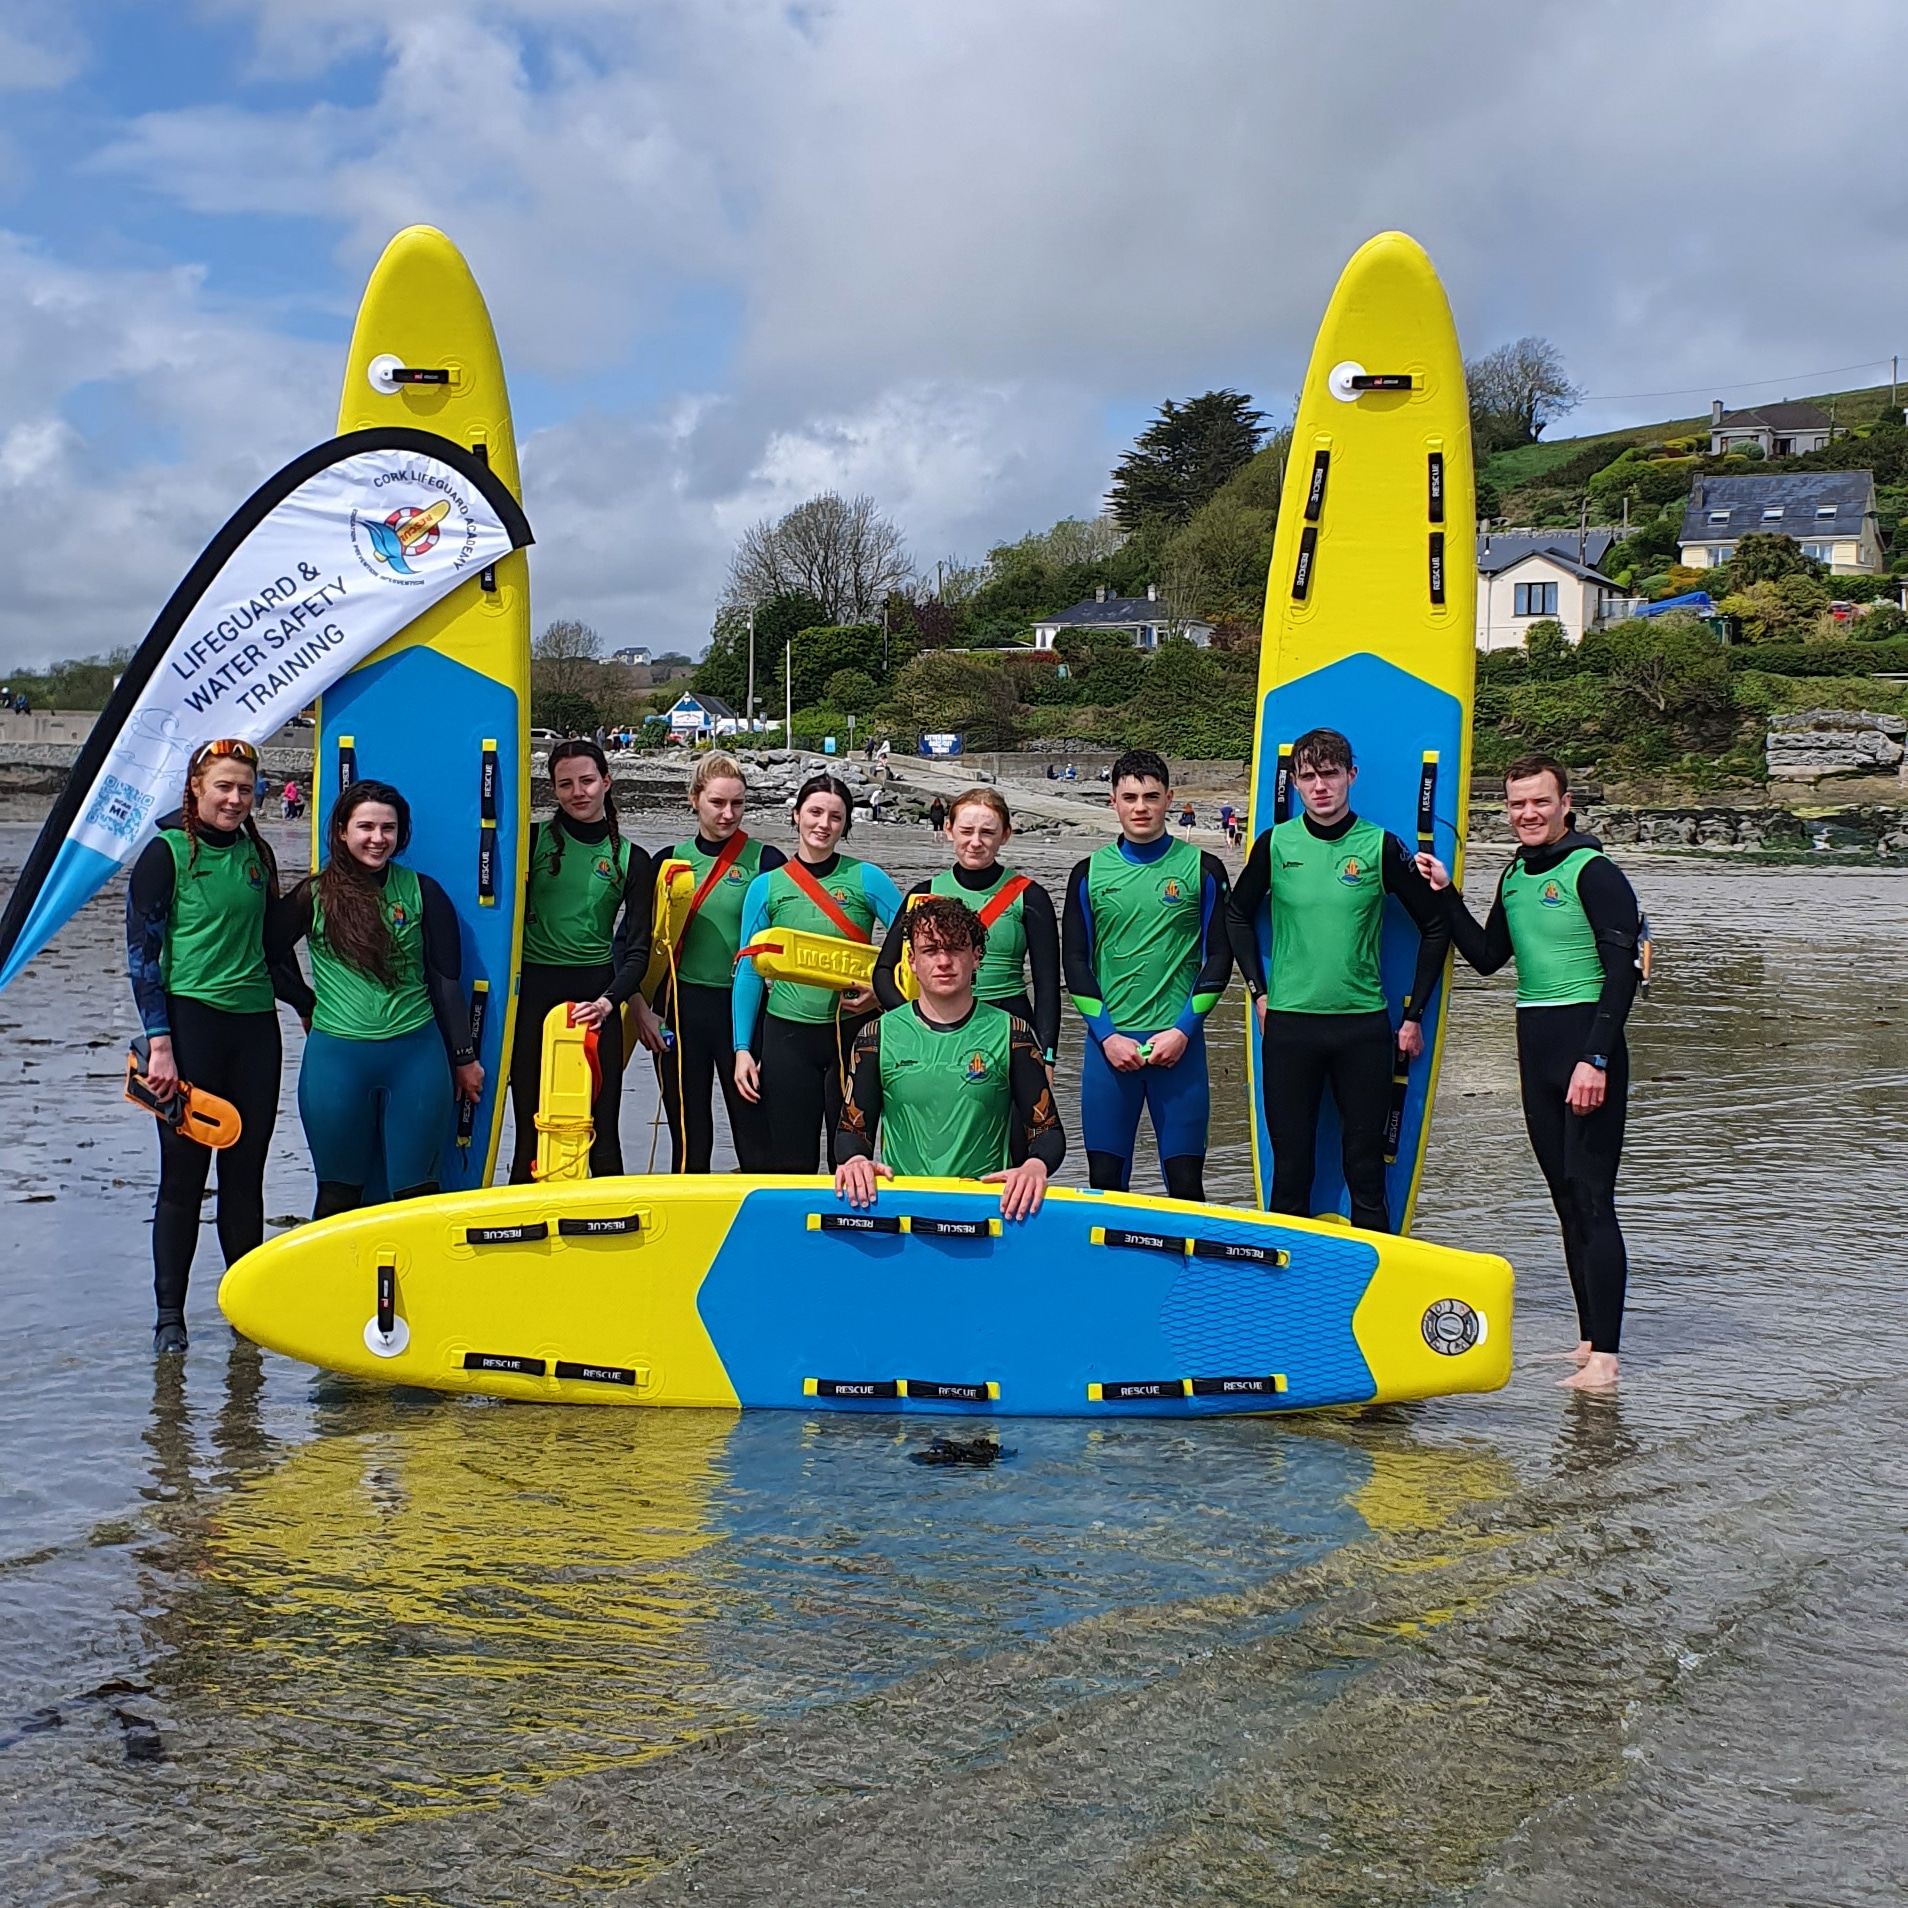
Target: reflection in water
{"x": 270, "y": 1640}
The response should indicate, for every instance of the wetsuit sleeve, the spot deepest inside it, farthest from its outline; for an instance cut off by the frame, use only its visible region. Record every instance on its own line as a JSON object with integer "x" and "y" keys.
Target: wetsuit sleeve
{"x": 287, "y": 922}
{"x": 1043, "y": 961}
{"x": 1486, "y": 948}
{"x": 1039, "y": 1118}
{"x": 148, "y": 909}
{"x": 1249, "y": 895}
{"x": 885, "y": 990}
{"x": 883, "y": 896}
{"x": 1434, "y": 934}
{"x": 443, "y": 971}
{"x": 1076, "y": 956}
{"x": 772, "y": 858}
{"x": 1215, "y": 950}
{"x": 861, "y": 1104}
{"x": 630, "y": 947}
{"x": 288, "y": 978}
{"x": 1609, "y": 905}
{"x": 747, "y": 994}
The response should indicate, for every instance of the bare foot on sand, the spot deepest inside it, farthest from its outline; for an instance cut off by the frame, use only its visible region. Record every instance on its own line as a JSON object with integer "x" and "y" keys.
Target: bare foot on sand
{"x": 1599, "y": 1373}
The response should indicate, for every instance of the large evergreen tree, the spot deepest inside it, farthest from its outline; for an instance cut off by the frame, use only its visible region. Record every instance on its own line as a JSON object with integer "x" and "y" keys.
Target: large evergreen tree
{"x": 1182, "y": 457}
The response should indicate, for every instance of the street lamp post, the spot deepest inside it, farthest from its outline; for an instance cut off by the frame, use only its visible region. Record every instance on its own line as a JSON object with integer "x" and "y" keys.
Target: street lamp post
{"x": 751, "y": 709}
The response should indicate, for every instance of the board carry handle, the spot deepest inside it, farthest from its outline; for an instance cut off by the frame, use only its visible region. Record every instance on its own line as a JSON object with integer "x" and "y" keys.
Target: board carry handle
{"x": 921, "y": 1225}
{"x": 1282, "y": 786}
{"x": 1179, "y": 1246}
{"x": 1154, "y": 1390}
{"x": 1382, "y": 381}
{"x": 933, "y": 1390}
{"x": 1428, "y": 800}
{"x": 479, "y": 1011}
{"x": 487, "y": 826}
{"x": 387, "y": 1294}
{"x": 347, "y": 764}
{"x": 389, "y": 375}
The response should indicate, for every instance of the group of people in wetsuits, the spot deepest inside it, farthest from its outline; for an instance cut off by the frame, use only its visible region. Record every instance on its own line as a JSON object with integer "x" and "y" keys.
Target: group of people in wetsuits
{"x": 954, "y": 1081}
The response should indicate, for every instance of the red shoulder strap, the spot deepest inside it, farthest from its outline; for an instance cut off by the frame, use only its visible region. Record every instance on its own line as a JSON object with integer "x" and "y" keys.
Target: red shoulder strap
{"x": 1000, "y": 902}
{"x": 798, "y": 873}
{"x": 731, "y": 853}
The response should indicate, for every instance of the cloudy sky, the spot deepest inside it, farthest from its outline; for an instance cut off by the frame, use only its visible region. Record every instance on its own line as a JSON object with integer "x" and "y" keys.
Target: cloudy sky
{"x": 950, "y": 252}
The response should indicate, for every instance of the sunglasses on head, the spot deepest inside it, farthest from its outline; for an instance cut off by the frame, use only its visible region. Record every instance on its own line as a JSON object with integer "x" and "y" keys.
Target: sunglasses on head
{"x": 238, "y": 751}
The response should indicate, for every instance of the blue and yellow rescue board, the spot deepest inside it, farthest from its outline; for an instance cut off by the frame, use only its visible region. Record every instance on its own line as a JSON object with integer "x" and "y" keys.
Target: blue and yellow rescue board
{"x": 721, "y": 1290}
{"x": 1370, "y": 627}
{"x": 443, "y": 710}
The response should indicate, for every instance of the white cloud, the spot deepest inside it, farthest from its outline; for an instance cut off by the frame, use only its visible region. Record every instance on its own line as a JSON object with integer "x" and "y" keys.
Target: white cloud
{"x": 40, "y": 46}
{"x": 949, "y": 240}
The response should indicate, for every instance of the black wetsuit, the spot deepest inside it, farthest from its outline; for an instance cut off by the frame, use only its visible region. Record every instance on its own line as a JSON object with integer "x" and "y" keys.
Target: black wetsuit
{"x": 1340, "y": 1034}
{"x": 544, "y": 984}
{"x": 236, "y": 1056}
{"x": 1578, "y": 1153}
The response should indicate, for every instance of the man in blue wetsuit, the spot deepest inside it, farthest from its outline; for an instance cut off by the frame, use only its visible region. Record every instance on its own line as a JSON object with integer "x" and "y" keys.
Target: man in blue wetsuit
{"x": 1145, "y": 954}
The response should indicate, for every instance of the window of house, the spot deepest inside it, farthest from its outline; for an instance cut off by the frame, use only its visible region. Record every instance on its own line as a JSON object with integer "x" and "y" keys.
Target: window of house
{"x": 1825, "y": 510}
{"x": 1783, "y": 446}
{"x": 1720, "y": 554}
{"x": 1719, "y": 516}
{"x": 1533, "y": 599}
{"x": 1822, "y": 552}
{"x": 1773, "y": 514}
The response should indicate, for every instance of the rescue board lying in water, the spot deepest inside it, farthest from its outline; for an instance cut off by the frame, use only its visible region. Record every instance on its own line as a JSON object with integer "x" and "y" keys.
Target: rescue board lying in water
{"x": 1370, "y": 629}
{"x": 725, "y": 1290}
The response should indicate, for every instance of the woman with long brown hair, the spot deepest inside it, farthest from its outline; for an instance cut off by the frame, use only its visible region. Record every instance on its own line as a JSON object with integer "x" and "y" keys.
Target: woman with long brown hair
{"x": 196, "y": 910}
{"x": 583, "y": 876}
{"x": 375, "y": 1091}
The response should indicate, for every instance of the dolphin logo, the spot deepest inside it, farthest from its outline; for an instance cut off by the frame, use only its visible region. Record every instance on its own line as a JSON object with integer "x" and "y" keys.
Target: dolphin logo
{"x": 406, "y": 533}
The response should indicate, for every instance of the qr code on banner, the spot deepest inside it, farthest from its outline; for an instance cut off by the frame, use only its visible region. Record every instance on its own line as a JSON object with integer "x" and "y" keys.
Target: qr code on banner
{"x": 119, "y": 809}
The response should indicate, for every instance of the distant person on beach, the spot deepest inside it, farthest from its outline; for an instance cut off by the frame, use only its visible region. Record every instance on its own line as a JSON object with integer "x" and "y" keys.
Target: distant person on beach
{"x": 196, "y": 911}
{"x": 1567, "y": 916}
{"x": 1145, "y": 955}
{"x": 937, "y": 814}
{"x": 948, "y": 1086}
{"x": 1319, "y": 995}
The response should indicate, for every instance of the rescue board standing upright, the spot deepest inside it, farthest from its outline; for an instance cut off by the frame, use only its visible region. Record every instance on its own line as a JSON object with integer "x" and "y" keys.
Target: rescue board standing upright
{"x": 442, "y": 711}
{"x": 1370, "y": 629}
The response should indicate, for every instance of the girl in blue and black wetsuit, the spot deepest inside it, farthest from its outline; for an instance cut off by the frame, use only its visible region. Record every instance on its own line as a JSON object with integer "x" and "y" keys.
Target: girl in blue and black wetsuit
{"x": 376, "y": 1087}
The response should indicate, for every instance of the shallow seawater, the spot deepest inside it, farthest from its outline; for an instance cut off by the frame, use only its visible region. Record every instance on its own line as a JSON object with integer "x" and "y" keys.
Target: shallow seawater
{"x": 268, "y": 1636}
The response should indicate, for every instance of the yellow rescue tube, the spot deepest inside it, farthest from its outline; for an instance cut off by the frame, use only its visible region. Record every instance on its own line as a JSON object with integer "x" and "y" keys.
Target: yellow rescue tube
{"x": 906, "y": 983}
{"x": 567, "y": 1090}
{"x": 811, "y": 960}
{"x": 668, "y": 921}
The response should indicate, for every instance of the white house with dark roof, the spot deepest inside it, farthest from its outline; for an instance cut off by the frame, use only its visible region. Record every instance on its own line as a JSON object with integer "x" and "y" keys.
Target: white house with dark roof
{"x": 693, "y": 715}
{"x": 1533, "y": 576}
{"x": 1830, "y": 513}
{"x": 1145, "y": 620}
{"x": 1777, "y": 430}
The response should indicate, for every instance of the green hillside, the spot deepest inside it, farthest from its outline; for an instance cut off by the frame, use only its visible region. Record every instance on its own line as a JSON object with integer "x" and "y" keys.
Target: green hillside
{"x": 1652, "y": 466}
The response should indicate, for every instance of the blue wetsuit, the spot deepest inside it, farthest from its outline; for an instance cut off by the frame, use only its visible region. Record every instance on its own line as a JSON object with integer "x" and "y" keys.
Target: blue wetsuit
{"x": 1143, "y": 952}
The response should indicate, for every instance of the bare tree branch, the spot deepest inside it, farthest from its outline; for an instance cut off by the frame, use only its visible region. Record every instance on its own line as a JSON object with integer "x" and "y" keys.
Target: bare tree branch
{"x": 845, "y": 554}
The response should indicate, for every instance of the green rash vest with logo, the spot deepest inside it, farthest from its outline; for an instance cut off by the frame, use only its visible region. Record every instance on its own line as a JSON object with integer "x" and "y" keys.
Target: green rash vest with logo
{"x": 1003, "y": 969}
{"x": 214, "y": 949}
{"x": 946, "y": 1096}
{"x": 1328, "y": 920}
{"x": 354, "y": 1006}
{"x": 1555, "y": 946}
{"x": 789, "y": 907}
{"x": 570, "y": 910}
{"x": 707, "y": 956}
{"x": 1146, "y": 934}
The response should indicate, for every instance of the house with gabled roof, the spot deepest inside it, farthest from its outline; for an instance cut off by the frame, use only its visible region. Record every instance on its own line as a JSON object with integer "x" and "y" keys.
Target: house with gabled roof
{"x": 1776, "y": 430}
{"x": 1541, "y": 576}
{"x": 1830, "y": 513}
{"x": 1144, "y": 620}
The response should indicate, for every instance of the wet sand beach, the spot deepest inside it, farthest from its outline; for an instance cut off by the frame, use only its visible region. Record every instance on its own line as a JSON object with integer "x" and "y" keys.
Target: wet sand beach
{"x": 268, "y": 1636}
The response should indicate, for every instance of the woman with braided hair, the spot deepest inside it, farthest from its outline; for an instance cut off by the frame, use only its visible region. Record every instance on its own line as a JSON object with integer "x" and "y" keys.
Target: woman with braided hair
{"x": 196, "y": 912}
{"x": 583, "y": 876}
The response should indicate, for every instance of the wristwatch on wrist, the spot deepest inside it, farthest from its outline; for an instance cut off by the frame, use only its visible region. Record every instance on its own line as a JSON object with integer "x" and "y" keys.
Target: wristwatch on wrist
{"x": 1601, "y": 1062}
